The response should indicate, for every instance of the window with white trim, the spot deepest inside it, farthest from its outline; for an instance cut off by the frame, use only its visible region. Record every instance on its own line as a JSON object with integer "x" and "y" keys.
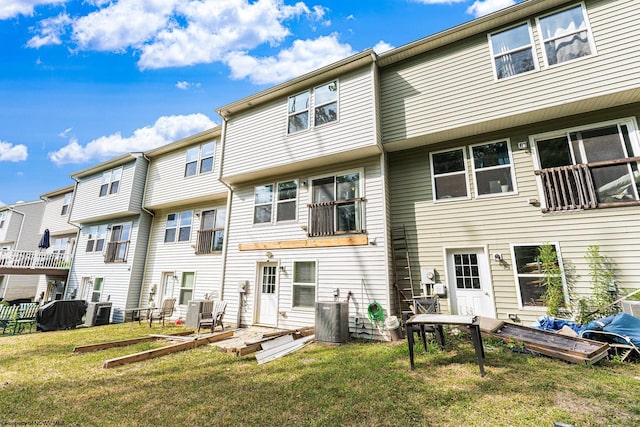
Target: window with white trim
{"x": 65, "y": 203}
{"x": 449, "y": 174}
{"x": 60, "y": 245}
{"x": 512, "y": 51}
{"x": 3, "y": 218}
{"x": 337, "y": 205}
{"x": 322, "y": 101}
{"x": 186, "y": 287}
{"x": 285, "y": 201}
{"x": 530, "y": 275}
{"x": 304, "y": 284}
{"x": 178, "y": 227}
{"x": 96, "y": 237}
{"x": 492, "y": 168}
{"x": 110, "y": 182}
{"x": 211, "y": 233}
{"x": 96, "y": 293}
{"x": 200, "y": 159}
{"x": 566, "y": 35}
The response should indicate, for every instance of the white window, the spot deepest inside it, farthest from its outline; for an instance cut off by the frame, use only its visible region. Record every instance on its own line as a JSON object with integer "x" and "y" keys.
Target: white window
{"x": 3, "y": 217}
{"x": 337, "y": 205}
{"x": 65, "y": 203}
{"x": 96, "y": 238}
{"x": 110, "y": 182}
{"x": 304, "y": 284}
{"x": 98, "y": 284}
{"x": 449, "y": 175}
{"x": 529, "y": 274}
{"x": 186, "y": 287}
{"x": 493, "y": 168}
{"x": 178, "y": 227}
{"x": 323, "y": 101}
{"x": 118, "y": 246}
{"x": 211, "y": 233}
{"x": 200, "y": 159}
{"x": 285, "y": 200}
{"x": 512, "y": 51}
{"x": 566, "y": 35}
{"x": 60, "y": 245}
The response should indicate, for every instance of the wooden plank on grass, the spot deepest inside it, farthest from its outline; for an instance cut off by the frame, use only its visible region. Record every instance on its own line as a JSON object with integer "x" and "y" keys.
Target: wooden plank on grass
{"x": 121, "y": 343}
{"x": 162, "y": 351}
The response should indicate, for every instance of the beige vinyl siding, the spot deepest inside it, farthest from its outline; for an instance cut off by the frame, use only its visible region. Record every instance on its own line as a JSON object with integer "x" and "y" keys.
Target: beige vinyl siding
{"x": 52, "y": 218}
{"x": 257, "y": 139}
{"x": 499, "y": 222}
{"x": 180, "y": 257}
{"x": 357, "y": 269}
{"x": 453, "y": 87}
{"x": 167, "y": 184}
{"x": 88, "y": 206}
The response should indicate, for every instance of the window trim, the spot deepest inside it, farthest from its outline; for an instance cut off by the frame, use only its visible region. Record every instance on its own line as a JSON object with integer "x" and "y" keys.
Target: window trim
{"x": 178, "y": 227}
{"x": 516, "y": 275}
{"x": 308, "y": 110}
{"x": 198, "y": 161}
{"x": 542, "y": 40}
{"x": 65, "y": 204}
{"x": 214, "y": 231}
{"x": 531, "y": 45}
{"x": 316, "y": 105}
{"x": 109, "y": 184}
{"x": 466, "y": 175}
{"x": 182, "y": 287}
{"x": 304, "y": 284}
{"x": 275, "y": 202}
{"x": 3, "y": 218}
{"x": 96, "y": 239}
{"x": 93, "y": 288}
{"x": 511, "y": 166}
{"x": 311, "y": 109}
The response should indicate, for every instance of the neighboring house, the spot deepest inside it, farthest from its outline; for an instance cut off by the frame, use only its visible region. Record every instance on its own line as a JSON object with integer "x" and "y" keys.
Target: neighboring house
{"x": 114, "y": 232}
{"x": 62, "y": 240}
{"x": 308, "y": 219}
{"x": 185, "y": 256}
{"x": 19, "y": 224}
{"x": 517, "y": 129}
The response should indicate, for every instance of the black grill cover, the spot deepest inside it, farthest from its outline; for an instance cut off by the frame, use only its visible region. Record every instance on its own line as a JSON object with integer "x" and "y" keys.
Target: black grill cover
{"x": 63, "y": 314}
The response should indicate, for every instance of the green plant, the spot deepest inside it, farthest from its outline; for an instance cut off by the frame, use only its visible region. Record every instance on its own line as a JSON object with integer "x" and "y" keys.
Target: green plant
{"x": 554, "y": 298}
{"x": 605, "y": 291}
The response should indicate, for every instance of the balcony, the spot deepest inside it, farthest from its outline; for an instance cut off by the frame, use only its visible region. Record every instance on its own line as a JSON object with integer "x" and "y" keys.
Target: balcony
{"x": 116, "y": 251}
{"x": 209, "y": 241}
{"x": 605, "y": 184}
{"x": 34, "y": 262}
{"x": 335, "y": 217}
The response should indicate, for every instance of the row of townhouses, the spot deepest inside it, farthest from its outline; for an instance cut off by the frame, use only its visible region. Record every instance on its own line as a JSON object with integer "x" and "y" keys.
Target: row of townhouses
{"x": 436, "y": 168}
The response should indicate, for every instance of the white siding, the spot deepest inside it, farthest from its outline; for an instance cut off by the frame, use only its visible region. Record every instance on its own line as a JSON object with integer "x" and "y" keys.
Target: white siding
{"x": 53, "y": 219}
{"x": 454, "y": 86}
{"x": 357, "y": 269}
{"x": 167, "y": 184}
{"x": 257, "y": 139}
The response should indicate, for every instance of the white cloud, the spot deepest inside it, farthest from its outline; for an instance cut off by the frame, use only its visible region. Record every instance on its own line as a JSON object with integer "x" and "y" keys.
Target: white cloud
{"x": 381, "y": 47}
{"x": 50, "y": 32}
{"x": 184, "y": 85}
{"x": 13, "y": 8}
{"x": 65, "y": 133}
{"x": 12, "y": 153}
{"x": 485, "y": 7}
{"x": 165, "y": 130}
{"x": 302, "y": 57}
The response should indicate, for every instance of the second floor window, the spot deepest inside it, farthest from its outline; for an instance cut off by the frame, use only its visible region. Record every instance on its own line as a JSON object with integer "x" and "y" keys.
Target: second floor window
{"x": 211, "y": 233}
{"x": 178, "y": 227}
{"x": 110, "y": 182}
{"x": 337, "y": 205}
{"x": 3, "y": 217}
{"x": 60, "y": 246}
{"x": 95, "y": 240}
{"x": 65, "y": 204}
{"x": 200, "y": 159}
{"x": 492, "y": 166}
{"x": 512, "y": 51}
{"x": 118, "y": 246}
{"x": 565, "y": 35}
{"x": 285, "y": 200}
{"x": 319, "y": 105}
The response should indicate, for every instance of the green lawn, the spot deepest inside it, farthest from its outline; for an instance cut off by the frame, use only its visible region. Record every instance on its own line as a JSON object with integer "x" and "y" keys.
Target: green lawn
{"x": 358, "y": 384}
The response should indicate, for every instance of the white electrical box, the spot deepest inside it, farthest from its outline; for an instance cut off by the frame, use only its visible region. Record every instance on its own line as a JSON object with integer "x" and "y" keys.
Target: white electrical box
{"x": 428, "y": 276}
{"x": 440, "y": 289}
{"x": 242, "y": 286}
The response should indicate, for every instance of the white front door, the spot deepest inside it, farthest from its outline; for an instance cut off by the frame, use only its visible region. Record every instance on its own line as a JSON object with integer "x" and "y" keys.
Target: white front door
{"x": 469, "y": 282}
{"x": 267, "y": 304}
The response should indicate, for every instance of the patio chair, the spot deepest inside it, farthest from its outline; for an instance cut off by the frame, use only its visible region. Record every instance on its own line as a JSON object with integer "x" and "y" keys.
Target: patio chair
{"x": 165, "y": 311}
{"x": 214, "y": 318}
{"x": 8, "y": 316}
{"x": 26, "y": 316}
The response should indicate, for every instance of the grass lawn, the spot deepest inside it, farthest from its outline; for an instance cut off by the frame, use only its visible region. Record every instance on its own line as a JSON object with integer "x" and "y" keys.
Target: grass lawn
{"x": 358, "y": 384}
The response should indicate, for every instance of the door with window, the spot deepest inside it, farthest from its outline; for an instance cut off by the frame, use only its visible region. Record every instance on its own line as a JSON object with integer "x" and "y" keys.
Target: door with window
{"x": 469, "y": 282}
{"x": 267, "y": 298}
{"x": 166, "y": 287}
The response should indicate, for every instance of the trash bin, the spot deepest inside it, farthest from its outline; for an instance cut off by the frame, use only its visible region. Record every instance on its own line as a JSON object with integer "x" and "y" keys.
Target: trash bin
{"x": 392, "y": 324}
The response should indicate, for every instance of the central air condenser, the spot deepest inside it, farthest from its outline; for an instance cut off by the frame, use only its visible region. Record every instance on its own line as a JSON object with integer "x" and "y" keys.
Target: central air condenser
{"x": 332, "y": 322}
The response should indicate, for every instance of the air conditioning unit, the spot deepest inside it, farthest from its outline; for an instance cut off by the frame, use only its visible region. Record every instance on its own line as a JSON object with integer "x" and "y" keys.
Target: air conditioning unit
{"x": 98, "y": 313}
{"x": 332, "y": 322}
{"x": 194, "y": 308}
{"x": 631, "y": 307}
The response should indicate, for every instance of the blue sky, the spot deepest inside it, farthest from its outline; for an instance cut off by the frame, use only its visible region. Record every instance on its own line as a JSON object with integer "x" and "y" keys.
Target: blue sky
{"x": 82, "y": 81}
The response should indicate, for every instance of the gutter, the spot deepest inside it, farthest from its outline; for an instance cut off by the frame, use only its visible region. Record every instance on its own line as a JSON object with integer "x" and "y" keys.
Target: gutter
{"x": 228, "y": 218}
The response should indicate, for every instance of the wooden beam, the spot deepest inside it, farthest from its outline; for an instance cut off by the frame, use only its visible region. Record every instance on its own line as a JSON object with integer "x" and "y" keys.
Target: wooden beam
{"x": 307, "y": 243}
{"x": 162, "y": 351}
{"x": 122, "y": 343}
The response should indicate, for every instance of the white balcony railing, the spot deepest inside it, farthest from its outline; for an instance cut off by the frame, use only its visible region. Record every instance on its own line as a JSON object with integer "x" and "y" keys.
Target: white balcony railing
{"x": 33, "y": 260}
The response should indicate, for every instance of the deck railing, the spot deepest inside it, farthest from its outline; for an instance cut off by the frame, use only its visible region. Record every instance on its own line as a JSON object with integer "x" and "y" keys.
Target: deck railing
{"x": 209, "y": 241}
{"x": 592, "y": 185}
{"x": 116, "y": 251}
{"x": 10, "y": 258}
{"x": 335, "y": 217}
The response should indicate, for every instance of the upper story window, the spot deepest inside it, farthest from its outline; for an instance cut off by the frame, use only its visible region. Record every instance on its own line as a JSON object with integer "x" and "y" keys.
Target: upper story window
{"x": 65, "y": 204}
{"x": 492, "y": 168}
{"x": 200, "y": 159}
{"x": 323, "y": 101}
{"x": 530, "y": 274}
{"x": 118, "y": 246}
{"x": 211, "y": 233}
{"x": 178, "y": 227}
{"x": 337, "y": 205}
{"x": 3, "y": 217}
{"x": 110, "y": 182}
{"x": 285, "y": 200}
{"x": 449, "y": 177}
{"x": 566, "y": 35}
{"x": 95, "y": 240}
{"x": 589, "y": 167}
{"x": 512, "y": 51}
{"x": 60, "y": 245}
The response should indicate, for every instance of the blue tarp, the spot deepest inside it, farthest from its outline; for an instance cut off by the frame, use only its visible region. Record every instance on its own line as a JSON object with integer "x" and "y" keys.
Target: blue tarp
{"x": 621, "y": 324}
{"x": 549, "y": 323}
